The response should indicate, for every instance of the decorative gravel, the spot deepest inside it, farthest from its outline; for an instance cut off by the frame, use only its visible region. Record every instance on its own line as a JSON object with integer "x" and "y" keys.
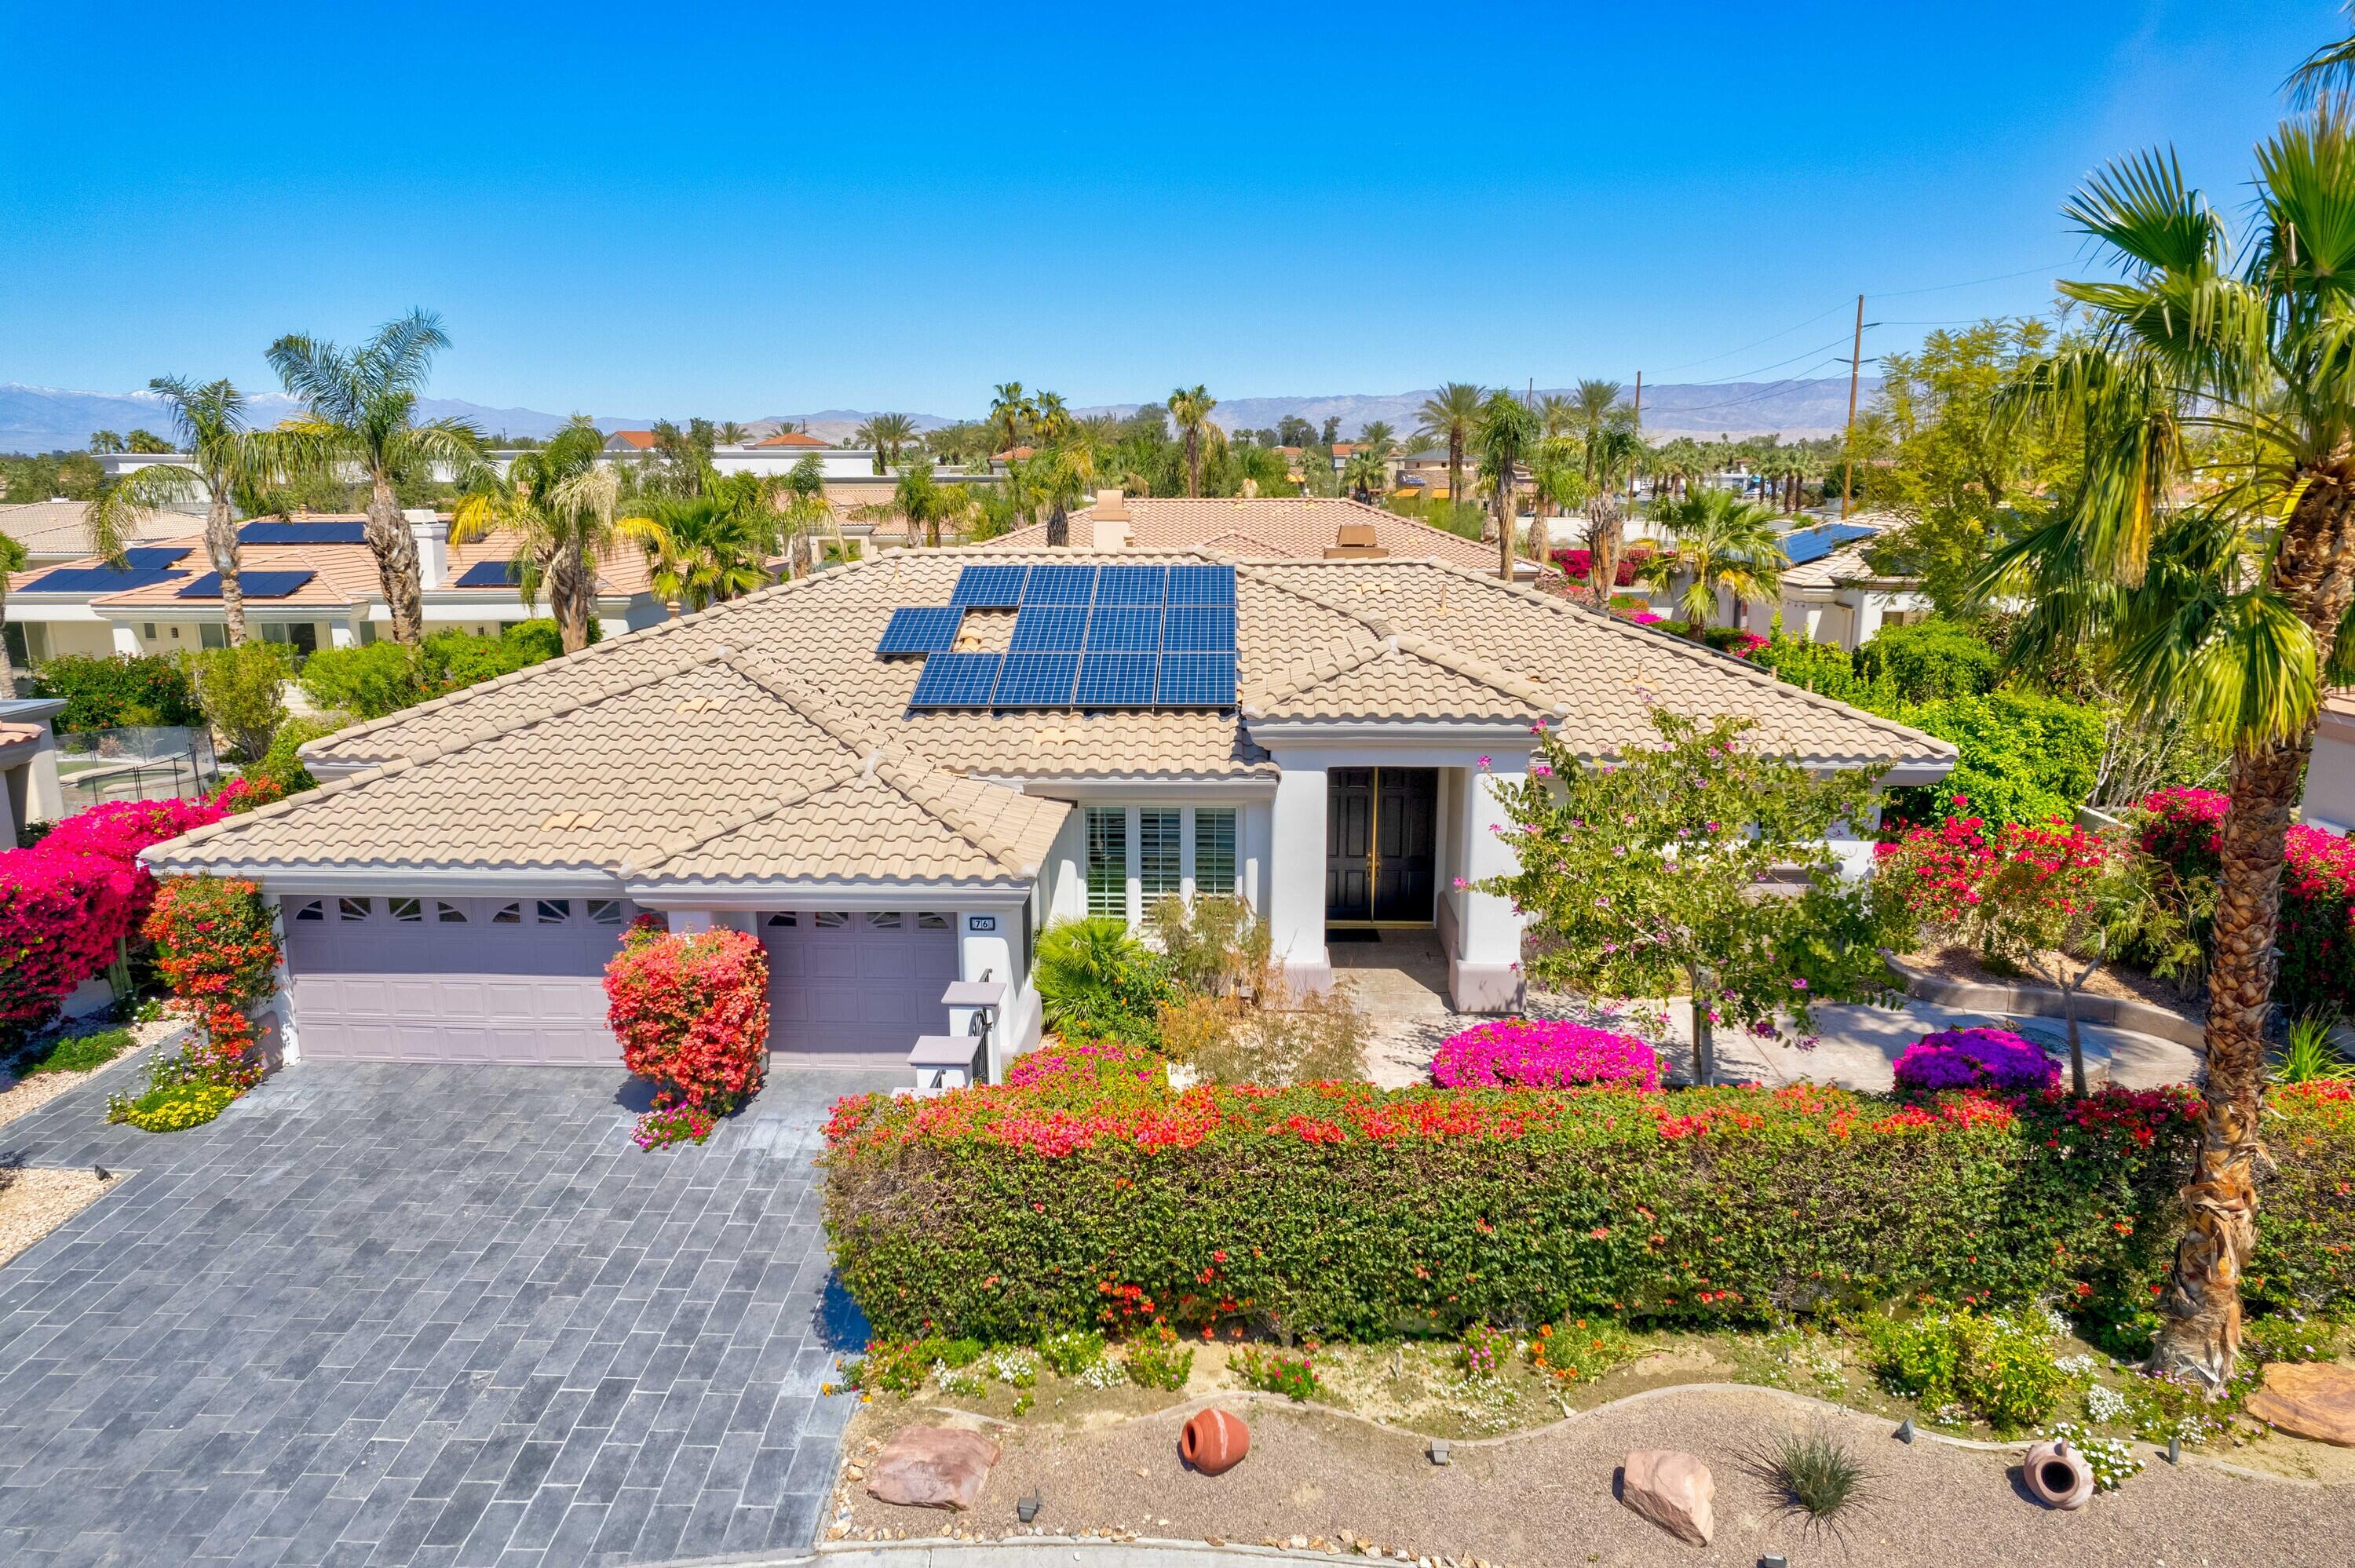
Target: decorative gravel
{"x": 33, "y": 1203}
{"x": 21, "y": 1097}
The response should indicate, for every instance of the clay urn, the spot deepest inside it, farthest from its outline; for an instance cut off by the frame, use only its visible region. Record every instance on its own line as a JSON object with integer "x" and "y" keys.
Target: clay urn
{"x": 2057, "y": 1474}
{"x": 1214, "y": 1442}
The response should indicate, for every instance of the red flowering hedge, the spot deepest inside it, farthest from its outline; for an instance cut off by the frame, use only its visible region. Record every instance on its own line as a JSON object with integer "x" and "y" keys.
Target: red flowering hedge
{"x": 1352, "y": 1212}
{"x": 216, "y": 950}
{"x": 692, "y": 1014}
{"x": 2184, "y": 829}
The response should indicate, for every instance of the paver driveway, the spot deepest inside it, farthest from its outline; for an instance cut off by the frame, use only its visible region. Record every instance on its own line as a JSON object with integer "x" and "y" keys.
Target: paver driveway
{"x": 423, "y": 1315}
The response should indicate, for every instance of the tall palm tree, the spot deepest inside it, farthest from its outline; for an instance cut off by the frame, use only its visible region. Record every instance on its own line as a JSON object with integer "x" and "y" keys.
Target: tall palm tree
{"x": 2327, "y": 74}
{"x": 1721, "y": 542}
{"x": 1559, "y": 471}
{"x": 1190, "y": 407}
{"x": 1449, "y": 415}
{"x": 1559, "y": 416}
{"x": 14, "y": 557}
{"x": 560, "y": 500}
{"x": 1010, "y": 415}
{"x": 923, "y": 501}
{"x": 103, "y": 441}
{"x": 224, "y": 456}
{"x": 1611, "y": 456}
{"x": 1506, "y": 435}
{"x": 362, "y": 413}
{"x": 887, "y": 434}
{"x": 1598, "y": 407}
{"x": 2234, "y": 605}
{"x": 1378, "y": 438}
{"x": 1365, "y": 474}
{"x": 730, "y": 433}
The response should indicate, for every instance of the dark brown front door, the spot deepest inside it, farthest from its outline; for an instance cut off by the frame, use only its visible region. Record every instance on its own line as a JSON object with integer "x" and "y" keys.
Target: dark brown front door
{"x": 1380, "y": 826}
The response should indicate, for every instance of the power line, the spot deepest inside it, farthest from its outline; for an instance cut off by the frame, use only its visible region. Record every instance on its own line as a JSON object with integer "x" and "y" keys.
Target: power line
{"x": 1764, "y": 392}
{"x": 1722, "y": 381}
{"x": 1746, "y": 347}
{"x": 1975, "y": 282}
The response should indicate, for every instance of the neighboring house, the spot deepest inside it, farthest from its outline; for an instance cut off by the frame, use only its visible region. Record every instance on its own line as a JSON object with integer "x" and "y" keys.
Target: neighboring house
{"x": 1302, "y": 528}
{"x": 1831, "y": 594}
{"x": 29, "y": 790}
{"x": 57, "y": 531}
{"x": 628, "y": 442}
{"x": 2329, "y": 802}
{"x": 310, "y": 582}
{"x": 1326, "y": 738}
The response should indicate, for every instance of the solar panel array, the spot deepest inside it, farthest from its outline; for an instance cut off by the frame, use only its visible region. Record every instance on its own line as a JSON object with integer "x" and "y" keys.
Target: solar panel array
{"x": 1084, "y": 637}
{"x": 488, "y": 574}
{"x": 101, "y": 579}
{"x": 254, "y": 585}
{"x": 151, "y": 555}
{"x": 343, "y": 531}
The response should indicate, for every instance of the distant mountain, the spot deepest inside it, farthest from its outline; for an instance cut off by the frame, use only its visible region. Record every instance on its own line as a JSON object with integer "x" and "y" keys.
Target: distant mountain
{"x": 50, "y": 418}
{"x": 1795, "y": 410}
{"x": 837, "y": 424}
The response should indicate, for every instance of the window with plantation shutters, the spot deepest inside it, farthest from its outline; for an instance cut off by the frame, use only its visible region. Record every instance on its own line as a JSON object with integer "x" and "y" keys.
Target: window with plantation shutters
{"x": 1107, "y": 828}
{"x": 1214, "y": 851}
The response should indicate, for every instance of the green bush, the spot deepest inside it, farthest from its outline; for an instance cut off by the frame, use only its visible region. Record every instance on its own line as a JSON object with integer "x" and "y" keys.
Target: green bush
{"x": 281, "y": 766}
{"x": 117, "y": 691}
{"x": 1998, "y": 1367}
{"x": 1098, "y": 982}
{"x": 1929, "y": 662}
{"x": 1824, "y": 667}
{"x": 386, "y": 677}
{"x": 1157, "y": 1361}
{"x": 242, "y": 692}
{"x": 367, "y": 683}
{"x": 2025, "y": 757}
{"x": 80, "y": 1053}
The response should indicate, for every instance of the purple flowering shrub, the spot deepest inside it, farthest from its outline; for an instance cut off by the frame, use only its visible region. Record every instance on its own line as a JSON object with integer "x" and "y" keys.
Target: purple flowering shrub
{"x": 1543, "y": 1053}
{"x": 1975, "y": 1059}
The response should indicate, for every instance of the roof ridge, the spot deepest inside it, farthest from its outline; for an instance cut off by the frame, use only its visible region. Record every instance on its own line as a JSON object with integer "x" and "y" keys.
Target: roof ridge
{"x": 1430, "y": 649}
{"x": 687, "y": 843}
{"x": 844, "y": 726}
{"x": 911, "y": 777}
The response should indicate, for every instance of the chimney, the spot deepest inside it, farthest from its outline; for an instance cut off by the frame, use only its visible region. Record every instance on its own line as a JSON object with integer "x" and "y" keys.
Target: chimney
{"x": 1355, "y": 541}
{"x": 432, "y": 538}
{"x": 1111, "y": 506}
{"x": 1059, "y": 529}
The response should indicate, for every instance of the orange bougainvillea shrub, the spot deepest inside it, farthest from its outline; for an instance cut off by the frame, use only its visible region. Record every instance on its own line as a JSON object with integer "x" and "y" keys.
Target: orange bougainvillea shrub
{"x": 691, "y": 1011}
{"x": 216, "y": 950}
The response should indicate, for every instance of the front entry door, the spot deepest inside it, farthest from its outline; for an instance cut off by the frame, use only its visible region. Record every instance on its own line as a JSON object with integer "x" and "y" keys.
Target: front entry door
{"x": 1380, "y": 828}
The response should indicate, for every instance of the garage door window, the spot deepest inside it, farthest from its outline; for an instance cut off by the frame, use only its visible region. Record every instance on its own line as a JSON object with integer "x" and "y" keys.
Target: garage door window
{"x": 883, "y": 920}
{"x": 449, "y": 914}
{"x": 832, "y": 919}
{"x": 606, "y": 911}
{"x": 786, "y": 920}
{"x": 555, "y": 911}
{"x": 351, "y": 908}
{"x": 312, "y": 910}
{"x": 508, "y": 914}
{"x": 931, "y": 920}
{"x": 408, "y": 911}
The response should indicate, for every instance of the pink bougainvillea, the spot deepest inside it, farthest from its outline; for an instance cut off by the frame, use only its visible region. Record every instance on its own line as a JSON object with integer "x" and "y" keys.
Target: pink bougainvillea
{"x": 2183, "y": 830}
{"x": 691, "y": 1011}
{"x": 1543, "y": 1053}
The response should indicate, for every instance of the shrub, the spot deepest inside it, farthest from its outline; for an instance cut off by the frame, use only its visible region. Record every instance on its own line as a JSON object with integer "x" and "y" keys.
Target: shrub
{"x": 1816, "y": 1473}
{"x": 1311, "y": 1039}
{"x": 1156, "y": 1359}
{"x": 1577, "y": 563}
{"x": 2025, "y": 757}
{"x": 1484, "y": 1352}
{"x": 1292, "y": 1374}
{"x": 2184, "y": 828}
{"x": 80, "y": 1054}
{"x": 1088, "y": 1071}
{"x": 1351, "y": 1212}
{"x": 1581, "y": 1348}
{"x": 2113, "y": 1462}
{"x": 1929, "y": 662}
{"x": 367, "y": 683}
{"x": 116, "y": 691}
{"x": 281, "y": 769}
{"x": 1998, "y": 1367}
{"x": 667, "y": 1125}
{"x": 1543, "y": 1053}
{"x": 173, "y": 1107}
{"x": 1214, "y": 946}
{"x": 1072, "y": 1351}
{"x": 1824, "y": 667}
{"x": 1982, "y": 1058}
{"x": 1097, "y": 982}
{"x": 692, "y": 1014}
{"x": 216, "y": 950}
{"x": 243, "y": 689}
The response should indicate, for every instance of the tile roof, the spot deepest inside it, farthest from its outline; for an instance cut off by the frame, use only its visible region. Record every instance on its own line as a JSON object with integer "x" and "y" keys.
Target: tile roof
{"x": 1265, "y": 526}
{"x": 789, "y": 439}
{"x": 642, "y": 440}
{"x": 47, "y": 528}
{"x": 709, "y": 766}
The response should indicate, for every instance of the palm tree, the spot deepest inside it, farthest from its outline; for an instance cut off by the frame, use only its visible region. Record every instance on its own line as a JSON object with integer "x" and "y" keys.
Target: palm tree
{"x": 2232, "y": 606}
{"x": 104, "y": 441}
{"x": 1508, "y": 433}
{"x": 560, "y": 500}
{"x": 1721, "y": 542}
{"x": 1449, "y": 415}
{"x": 1559, "y": 416}
{"x": 1611, "y": 460}
{"x": 1365, "y": 474}
{"x": 224, "y": 458}
{"x": 886, "y": 433}
{"x": 703, "y": 549}
{"x": 1190, "y": 407}
{"x": 1598, "y": 407}
{"x": 13, "y": 558}
{"x": 1010, "y": 416}
{"x": 362, "y": 413}
{"x": 923, "y": 501}
{"x": 730, "y": 433}
{"x": 2326, "y": 76}
{"x": 1559, "y": 471}
{"x": 1378, "y": 438}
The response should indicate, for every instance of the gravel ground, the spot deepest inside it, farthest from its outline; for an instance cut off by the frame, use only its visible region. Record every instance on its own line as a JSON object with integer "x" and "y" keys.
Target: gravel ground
{"x": 22, "y": 1097}
{"x": 33, "y": 1203}
{"x": 1317, "y": 1480}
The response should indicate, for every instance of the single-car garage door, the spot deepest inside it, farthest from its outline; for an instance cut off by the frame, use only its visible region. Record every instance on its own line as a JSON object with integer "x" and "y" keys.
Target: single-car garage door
{"x": 515, "y": 981}
{"x": 854, "y": 988}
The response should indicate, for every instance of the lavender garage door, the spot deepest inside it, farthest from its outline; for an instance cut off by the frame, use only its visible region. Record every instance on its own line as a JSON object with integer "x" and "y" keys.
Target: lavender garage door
{"x": 510, "y": 980}
{"x": 854, "y": 988}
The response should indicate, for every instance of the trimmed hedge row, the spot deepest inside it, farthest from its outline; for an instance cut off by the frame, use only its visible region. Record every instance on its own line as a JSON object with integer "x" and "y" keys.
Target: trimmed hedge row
{"x": 1350, "y": 1212}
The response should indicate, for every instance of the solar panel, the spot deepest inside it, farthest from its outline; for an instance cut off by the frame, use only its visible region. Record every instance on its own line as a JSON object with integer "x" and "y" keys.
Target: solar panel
{"x": 1049, "y": 628}
{"x": 1037, "y": 681}
{"x": 921, "y": 630}
{"x": 1131, "y": 584}
{"x": 344, "y": 531}
{"x": 1803, "y": 545}
{"x": 147, "y": 555}
{"x": 488, "y": 574}
{"x": 98, "y": 579}
{"x": 1201, "y": 585}
{"x": 1198, "y": 628}
{"x": 255, "y": 585}
{"x": 989, "y": 587}
{"x": 1115, "y": 680}
{"x": 1059, "y": 584}
{"x": 957, "y": 680}
{"x": 1196, "y": 680}
{"x": 1124, "y": 628}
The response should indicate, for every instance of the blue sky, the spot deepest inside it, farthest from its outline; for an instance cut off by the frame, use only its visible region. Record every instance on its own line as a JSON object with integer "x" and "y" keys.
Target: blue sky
{"x": 634, "y": 212}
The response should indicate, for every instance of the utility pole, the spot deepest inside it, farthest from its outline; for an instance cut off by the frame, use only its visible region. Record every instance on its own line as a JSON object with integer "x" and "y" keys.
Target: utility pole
{"x": 1855, "y": 367}
{"x": 1640, "y": 432}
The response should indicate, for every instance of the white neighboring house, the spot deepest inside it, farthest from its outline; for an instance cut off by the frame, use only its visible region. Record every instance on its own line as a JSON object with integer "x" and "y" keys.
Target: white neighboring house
{"x": 1831, "y": 594}
{"x": 309, "y": 581}
{"x": 2329, "y": 801}
{"x": 866, "y": 770}
{"x": 56, "y": 531}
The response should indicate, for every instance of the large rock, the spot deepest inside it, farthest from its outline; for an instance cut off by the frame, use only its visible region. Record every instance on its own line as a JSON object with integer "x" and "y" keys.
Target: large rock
{"x": 1674, "y": 1490}
{"x": 2307, "y": 1399}
{"x": 931, "y": 1466}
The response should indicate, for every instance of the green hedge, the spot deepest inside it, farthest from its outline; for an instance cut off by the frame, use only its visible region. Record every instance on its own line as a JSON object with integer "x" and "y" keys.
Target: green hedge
{"x": 1350, "y": 1212}
{"x": 117, "y": 691}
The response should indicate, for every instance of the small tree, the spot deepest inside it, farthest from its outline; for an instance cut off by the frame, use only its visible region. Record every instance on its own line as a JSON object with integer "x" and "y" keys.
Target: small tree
{"x": 1702, "y": 865}
{"x": 242, "y": 690}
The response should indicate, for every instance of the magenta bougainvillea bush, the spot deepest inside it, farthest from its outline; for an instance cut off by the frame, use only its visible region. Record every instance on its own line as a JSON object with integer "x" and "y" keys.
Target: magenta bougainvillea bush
{"x": 2183, "y": 830}
{"x": 1543, "y": 1053}
{"x": 1993, "y": 1059}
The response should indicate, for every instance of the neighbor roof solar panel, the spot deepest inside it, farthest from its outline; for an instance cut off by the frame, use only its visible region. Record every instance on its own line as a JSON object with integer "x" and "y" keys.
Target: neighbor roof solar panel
{"x": 98, "y": 579}
{"x": 343, "y": 531}
{"x": 149, "y": 556}
{"x": 1059, "y": 584}
{"x": 1131, "y": 584}
{"x": 1049, "y": 629}
{"x": 1132, "y": 629}
{"x": 1196, "y": 681}
{"x": 1201, "y": 585}
{"x": 254, "y": 585}
{"x": 1803, "y": 545}
{"x": 957, "y": 680}
{"x": 1198, "y": 628}
{"x": 1037, "y": 681}
{"x": 488, "y": 574}
{"x": 989, "y": 587}
{"x": 1115, "y": 680}
{"x": 921, "y": 630}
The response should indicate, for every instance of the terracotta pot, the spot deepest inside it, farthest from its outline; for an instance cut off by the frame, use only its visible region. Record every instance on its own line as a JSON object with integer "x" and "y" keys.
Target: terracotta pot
{"x": 1214, "y": 1442}
{"x": 2057, "y": 1474}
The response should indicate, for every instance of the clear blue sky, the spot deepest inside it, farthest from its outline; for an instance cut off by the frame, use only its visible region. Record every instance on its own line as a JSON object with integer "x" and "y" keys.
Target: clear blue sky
{"x": 740, "y": 212}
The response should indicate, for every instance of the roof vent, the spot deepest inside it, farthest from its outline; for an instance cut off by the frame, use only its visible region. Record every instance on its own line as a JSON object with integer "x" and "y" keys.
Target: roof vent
{"x": 1355, "y": 541}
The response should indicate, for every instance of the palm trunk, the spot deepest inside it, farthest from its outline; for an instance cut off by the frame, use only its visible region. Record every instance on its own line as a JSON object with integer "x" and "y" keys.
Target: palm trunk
{"x": 395, "y": 563}
{"x": 1507, "y": 514}
{"x": 7, "y": 668}
{"x": 220, "y": 544}
{"x": 1704, "y": 1039}
{"x": 1454, "y": 471}
{"x": 567, "y": 592}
